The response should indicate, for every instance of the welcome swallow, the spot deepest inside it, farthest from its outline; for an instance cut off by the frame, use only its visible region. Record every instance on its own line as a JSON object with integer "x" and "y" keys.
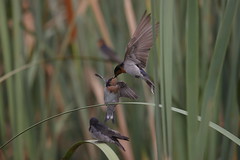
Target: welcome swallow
{"x": 137, "y": 51}
{"x": 108, "y": 52}
{"x": 113, "y": 90}
{"x": 102, "y": 133}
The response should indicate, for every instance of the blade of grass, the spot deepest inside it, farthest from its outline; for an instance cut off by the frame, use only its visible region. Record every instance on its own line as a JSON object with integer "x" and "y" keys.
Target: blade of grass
{"x": 214, "y": 75}
{"x": 216, "y": 127}
{"x": 110, "y": 154}
{"x": 2, "y": 116}
{"x": 158, "y": 130}
{"x": 206, "y": 47}
{"x": 179, "y": 137}
{"x": 192, "y": 74}
{"x": 18, "y": 61}
{"x": 131, "y": 20}
{"x": 7, "y": 63}
{"x": 167, "y": 69}
{"x": 231, "y": 124}
{"x": 39, "y": 76}
{"x": 162, "y": 81}
{"x": 179, "y": 89}
{"x": 101, "y": 22}
{"x": 180, "y": 149}
{"x": 45, "y": 120}
{"x": 212, "y": 134}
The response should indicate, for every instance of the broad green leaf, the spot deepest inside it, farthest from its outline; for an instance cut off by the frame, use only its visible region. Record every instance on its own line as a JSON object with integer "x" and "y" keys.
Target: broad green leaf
{"x": 110, "y": 154}
{"x": 192, "y": 73}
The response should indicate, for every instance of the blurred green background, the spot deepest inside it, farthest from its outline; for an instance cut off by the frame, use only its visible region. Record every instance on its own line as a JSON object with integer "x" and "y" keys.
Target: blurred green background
{"x": 49, "y": 54}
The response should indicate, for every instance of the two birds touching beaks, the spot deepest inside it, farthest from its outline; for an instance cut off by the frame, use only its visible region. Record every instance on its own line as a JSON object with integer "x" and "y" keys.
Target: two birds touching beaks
{"x": 134, "y": 63}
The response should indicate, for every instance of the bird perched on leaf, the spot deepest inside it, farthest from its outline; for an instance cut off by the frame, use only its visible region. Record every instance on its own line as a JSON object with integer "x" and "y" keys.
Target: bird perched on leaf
{"x": 108, "y": 52}
{"x": 102, "y": 133}
{"x": 113, "y": 90}
{"x": 137, "y": 51}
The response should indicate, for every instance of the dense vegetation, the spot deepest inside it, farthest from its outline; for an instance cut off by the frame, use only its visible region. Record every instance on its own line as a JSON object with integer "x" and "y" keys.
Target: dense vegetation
{"x": 49, "y": 55}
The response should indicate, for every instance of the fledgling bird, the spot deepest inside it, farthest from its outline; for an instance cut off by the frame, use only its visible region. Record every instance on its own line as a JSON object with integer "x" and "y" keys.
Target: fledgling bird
{"x": 113, "y": 90}
{"x": 108, "y": 52}
{"x": 102, "y": 133}
{"x": 137, "y": 51}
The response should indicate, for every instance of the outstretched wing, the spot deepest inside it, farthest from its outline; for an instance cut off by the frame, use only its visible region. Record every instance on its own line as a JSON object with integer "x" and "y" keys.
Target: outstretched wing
{"x": 125, "y": 91}
{"x": 142, "y": 40}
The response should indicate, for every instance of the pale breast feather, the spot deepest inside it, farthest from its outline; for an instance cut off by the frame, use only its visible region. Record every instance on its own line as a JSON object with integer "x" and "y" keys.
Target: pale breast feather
{"x": 131, "y": 68}
{"x": 110, "y": 97}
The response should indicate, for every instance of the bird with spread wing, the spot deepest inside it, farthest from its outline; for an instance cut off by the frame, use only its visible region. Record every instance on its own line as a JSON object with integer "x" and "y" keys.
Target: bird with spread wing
{"x": 137, "y": 51}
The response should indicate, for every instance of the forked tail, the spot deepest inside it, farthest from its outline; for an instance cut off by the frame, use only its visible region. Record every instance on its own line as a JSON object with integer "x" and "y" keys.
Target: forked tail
{"x": 119, "y": 145}
{"x": 147, "y": 80}
{"x": 110, "y": 113}
{"x": 150, "y": 84}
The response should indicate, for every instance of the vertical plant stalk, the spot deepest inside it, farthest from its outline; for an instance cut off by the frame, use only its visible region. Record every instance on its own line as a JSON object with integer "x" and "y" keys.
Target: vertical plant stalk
{"x": 162, "y": 82}
{"x": 38, "y": 73}
{"x": 70, "y": 18}
{"x": 131, "y": 20}
{"x": 232, "y": 110}
{"x": 167, "y": 69}
{"x": 2, "y": 116}
{"x": 123, "y": 127}
{"x": 206, "y": 45}
{"x": 158, "y": 129}
{"x": 192, "y": 74}
{"x": 101, "y": 22}
{"x": 7, "y": 63}
{"x": 18, "y": 79}
{"x": 214, "y": 75}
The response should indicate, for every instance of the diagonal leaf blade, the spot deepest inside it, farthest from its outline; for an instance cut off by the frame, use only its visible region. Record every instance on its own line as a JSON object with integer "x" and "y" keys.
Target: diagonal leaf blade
{"x": 110, "y": 154}
{"x": 214, "y": 74}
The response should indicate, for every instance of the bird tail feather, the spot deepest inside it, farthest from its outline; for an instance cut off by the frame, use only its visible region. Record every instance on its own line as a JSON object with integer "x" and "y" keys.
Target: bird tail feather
{"x": 150, "y": 84}
{"x": 147, "y": 80}
{"x": 110, "y": 114}
{"x": 119, "y": 145}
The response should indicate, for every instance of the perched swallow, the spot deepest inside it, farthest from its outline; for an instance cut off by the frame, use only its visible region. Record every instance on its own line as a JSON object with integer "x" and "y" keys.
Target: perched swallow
{"x": 137, "y": 51}
{"x": 113, "y": 90}
{"x": 108, "y": 52}
{"x": 102, "y": 133}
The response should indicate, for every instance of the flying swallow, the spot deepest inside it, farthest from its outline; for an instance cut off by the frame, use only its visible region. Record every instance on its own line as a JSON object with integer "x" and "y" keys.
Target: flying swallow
{"x": 137, "y": 51}
{"x": 113, "y": 90}
{"x": 104, "y": 134}
{"x": 108, "y": 52}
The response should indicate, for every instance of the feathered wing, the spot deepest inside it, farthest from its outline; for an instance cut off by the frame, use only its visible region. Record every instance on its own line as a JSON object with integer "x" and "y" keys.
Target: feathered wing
{"x": 111, "y": 133}
{"x": 115, "y": 136}
{"x": 125, "y": 91}
{"x": 142, "y": 40}
{"x": 101, "y": 128}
